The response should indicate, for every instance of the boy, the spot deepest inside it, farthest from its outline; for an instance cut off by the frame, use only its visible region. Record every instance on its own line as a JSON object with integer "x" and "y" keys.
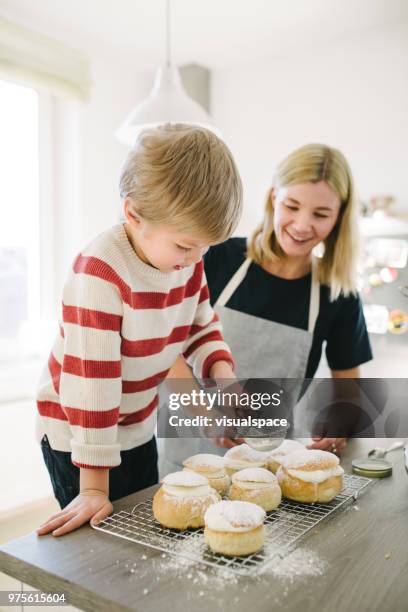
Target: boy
{"x": 136, "y": 297}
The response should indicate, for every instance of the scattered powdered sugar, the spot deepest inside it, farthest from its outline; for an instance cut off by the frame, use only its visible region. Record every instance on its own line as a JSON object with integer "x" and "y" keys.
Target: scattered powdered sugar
{"x": 195, "y": 572}
{"x": 185, "y": 478}
{"x": 234, "y": 516}
{"x": 244, "y": 452}
{"x": 299, "y": 563}
{"x": 221, "y": 586}
{"x": 310, "y": 457}
{"x": 256, "y": 474}
{"x": 204, "y": 460}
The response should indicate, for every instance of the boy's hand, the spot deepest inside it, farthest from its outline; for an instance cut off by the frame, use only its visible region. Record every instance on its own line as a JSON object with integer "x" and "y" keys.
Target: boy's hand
{"x": 90, "y": 505}
{"x": 222, "y": 373}
{"x": 220, "y": 370}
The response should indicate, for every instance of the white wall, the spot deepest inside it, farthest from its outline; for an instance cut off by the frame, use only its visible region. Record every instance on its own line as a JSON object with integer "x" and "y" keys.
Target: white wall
{"x": 118, "y": 87}
{"x": 88, "y": 158}
{"x": 352, "y": 95}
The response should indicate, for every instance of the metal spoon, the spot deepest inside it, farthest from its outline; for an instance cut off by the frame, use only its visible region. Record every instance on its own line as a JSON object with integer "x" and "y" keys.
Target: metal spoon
{"x": 380, "y": 453}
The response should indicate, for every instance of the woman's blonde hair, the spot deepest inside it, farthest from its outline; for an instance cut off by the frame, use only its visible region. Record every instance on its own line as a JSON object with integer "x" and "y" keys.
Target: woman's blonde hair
{"x": 186, "y": 177}
{"x": 312, "y": 163}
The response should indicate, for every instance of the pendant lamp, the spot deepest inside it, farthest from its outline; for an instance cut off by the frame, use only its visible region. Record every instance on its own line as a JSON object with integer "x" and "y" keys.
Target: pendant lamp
{"x": 167, "y": 102}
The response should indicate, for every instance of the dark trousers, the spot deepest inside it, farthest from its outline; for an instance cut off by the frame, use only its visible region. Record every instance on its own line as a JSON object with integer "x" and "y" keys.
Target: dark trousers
{"x": 137, "y": 471}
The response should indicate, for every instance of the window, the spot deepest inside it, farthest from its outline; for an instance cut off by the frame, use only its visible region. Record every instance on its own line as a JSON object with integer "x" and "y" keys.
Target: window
{"x": 19, "y": 221}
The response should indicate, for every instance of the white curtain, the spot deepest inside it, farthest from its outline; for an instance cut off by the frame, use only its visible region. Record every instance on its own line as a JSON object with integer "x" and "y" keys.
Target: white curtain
{"x": 38, "y": 61}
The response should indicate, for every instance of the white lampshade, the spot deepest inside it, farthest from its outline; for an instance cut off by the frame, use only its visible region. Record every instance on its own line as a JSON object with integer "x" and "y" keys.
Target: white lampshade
{"x": 168, "y": 102}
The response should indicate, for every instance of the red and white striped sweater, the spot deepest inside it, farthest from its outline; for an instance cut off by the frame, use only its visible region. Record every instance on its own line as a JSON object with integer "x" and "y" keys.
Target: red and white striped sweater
{"x": 123, "y": 325}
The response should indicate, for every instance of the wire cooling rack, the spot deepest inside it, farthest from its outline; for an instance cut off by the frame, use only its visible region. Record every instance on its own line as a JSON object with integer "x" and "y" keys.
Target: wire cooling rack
{"x": 284, "y": 528}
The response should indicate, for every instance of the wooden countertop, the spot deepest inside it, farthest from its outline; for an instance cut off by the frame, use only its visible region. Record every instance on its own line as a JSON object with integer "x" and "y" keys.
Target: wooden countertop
{"x": 364, "y": 551}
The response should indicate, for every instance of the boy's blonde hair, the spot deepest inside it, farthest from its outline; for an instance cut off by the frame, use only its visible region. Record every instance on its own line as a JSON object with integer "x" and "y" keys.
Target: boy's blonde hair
{"x": 312, "y": 163}
{"x": 186, "y": 177}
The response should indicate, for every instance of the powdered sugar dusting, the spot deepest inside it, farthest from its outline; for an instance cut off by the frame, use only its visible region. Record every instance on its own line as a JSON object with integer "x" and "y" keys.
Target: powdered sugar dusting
{"x": 234, "y": 516}
{"x": 186, "y": 478}
{"x": 287, "y": 447}
{"x": 299, "y": 563}
{"x": 296, "y": 565}
{"x": 254, "y": 475}
{"x": 204, "y": 460}
{"x": 244, "y": 452}
{"x": 195, "y": 573}
{"x": 313, "y": 457}
{"x": 219, "y": 587}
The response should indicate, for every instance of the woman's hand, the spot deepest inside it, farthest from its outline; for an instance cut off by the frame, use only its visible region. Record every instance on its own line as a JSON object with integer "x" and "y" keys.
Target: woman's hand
{"x": 333, "y": 445}
{"x": 90, "y": 505}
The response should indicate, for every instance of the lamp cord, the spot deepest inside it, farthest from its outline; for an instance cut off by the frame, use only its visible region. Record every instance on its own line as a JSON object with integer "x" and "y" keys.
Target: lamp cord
{"x": 168, "y": 34}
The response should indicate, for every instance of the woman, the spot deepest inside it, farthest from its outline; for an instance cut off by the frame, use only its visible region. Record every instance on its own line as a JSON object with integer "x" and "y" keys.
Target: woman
{"x": 293, "y": 302}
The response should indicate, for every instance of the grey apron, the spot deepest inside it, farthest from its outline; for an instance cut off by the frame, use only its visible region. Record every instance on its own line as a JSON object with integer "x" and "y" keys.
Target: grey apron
{"x": 262, "y": 349}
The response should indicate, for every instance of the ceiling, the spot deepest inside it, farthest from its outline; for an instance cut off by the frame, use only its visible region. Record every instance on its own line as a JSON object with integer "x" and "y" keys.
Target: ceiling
{"x": 215, "y": 33}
